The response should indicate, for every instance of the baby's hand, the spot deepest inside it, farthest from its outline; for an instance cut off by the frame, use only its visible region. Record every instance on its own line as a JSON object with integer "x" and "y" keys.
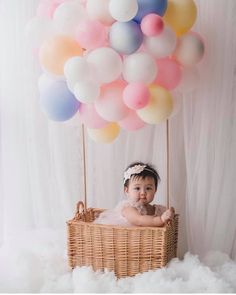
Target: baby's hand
{"x": 168, "y": 215}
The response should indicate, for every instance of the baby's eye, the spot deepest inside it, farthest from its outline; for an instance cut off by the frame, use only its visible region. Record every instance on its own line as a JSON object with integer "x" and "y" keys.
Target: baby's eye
{"x": 137, "y": 188}
{"x": 149, "y": 188}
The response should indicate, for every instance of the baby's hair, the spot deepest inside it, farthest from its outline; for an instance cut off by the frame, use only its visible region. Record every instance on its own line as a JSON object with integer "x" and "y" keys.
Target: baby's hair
{"x": 140, "y": 170}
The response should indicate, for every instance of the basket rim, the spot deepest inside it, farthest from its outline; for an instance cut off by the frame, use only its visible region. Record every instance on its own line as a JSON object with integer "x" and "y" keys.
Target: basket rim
{"x": 162, "y": 228}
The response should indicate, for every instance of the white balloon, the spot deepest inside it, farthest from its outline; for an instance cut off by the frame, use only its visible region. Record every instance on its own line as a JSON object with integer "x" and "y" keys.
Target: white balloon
{"x": 99, "y": 10}
{"x": 76, "y": 69}
{"x": 87, "y": 91}
{"x": 123, "y": 10}
{"x": 106, "y": 62}
{"x": 67, "y": 16}
{"x": 161, "y": 45}
{"x": 70, "y": 85}
{"x": 139, "y": 67}
{"x": 46, "y": 80}
{"x": 189, "y": 50}
{"x": 39, "y": 29}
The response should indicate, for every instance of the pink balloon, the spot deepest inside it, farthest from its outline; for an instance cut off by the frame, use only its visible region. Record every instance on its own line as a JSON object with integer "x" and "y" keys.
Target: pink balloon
{"x": 110, "y": 105}
{"x": 152, "y": 24}
{"x": 90, "y": 117}
{"x": 136, "y": 95}
{"x": 131, "y": 122}
{"x": 117, "y": 83}
{"x": 169, "y": 73}
{"x": 90, "y": 34}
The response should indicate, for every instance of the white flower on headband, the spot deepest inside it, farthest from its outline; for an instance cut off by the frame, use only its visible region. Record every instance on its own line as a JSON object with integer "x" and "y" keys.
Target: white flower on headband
{"x": 133, "y": 170}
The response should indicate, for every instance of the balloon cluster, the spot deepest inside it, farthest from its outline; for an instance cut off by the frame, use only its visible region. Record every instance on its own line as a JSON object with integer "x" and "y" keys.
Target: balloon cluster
{"x": 115, "y": 62}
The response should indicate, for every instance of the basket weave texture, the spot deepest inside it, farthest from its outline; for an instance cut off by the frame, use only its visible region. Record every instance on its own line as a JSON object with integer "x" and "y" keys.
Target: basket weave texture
{"x": 124, "y": 250}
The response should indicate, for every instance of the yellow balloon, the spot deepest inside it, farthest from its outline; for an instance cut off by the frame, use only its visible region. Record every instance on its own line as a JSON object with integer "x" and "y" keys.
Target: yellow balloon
{"x": 56, "y": 51}
{"x": 180, "y": 15}
{"x": 106, "y": 134}
{"x": 159, "y": 107}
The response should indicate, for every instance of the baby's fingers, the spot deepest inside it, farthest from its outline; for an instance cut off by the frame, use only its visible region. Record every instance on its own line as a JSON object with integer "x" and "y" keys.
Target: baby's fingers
{"x": 172, "y": 210}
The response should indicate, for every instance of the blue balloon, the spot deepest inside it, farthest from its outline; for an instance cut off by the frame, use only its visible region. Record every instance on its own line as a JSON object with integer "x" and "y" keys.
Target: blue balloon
{"x": 125, "y": 37}
{"x": 58, "y": 102}
{"x": 150, "y": 6}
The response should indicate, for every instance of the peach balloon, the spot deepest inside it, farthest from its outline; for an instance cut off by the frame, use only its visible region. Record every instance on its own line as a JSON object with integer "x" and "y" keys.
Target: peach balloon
{"x": 56, "y": 51}
{"x": 169, "y": 73}
{"x": 160, "y": 106}
{"x": 132, "y": 122}
{"x": 106, "y": 134}
{"x": 90, "y": 117}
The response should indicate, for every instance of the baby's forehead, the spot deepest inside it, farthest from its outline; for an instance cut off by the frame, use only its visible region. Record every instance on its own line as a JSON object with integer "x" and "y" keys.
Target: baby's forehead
{"x": 136, "y": 179}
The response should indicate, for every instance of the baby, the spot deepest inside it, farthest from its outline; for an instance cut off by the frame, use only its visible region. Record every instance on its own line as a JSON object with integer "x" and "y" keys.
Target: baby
{"x": 140, "y": 185}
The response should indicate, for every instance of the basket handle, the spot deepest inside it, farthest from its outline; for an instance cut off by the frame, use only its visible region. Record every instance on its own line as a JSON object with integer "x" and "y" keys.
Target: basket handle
{"x": 80, "y": 209}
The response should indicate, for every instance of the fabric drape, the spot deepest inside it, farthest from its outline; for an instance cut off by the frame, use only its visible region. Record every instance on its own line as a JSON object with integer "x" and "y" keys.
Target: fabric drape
{"x": 41, "y": 161}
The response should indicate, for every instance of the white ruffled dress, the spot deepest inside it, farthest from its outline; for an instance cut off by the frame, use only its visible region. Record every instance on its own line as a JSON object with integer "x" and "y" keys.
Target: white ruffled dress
{"x": 115, "y": 217}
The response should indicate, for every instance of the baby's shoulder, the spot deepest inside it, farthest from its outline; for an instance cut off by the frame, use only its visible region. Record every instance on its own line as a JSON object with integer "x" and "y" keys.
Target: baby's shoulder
{"x": 122, "y": 204}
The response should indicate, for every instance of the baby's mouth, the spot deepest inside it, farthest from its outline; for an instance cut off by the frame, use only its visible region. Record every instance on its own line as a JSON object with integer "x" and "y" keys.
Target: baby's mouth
{"x": 143, "y": 201}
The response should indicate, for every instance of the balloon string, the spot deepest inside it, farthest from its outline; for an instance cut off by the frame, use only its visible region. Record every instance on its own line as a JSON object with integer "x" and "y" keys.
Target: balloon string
{"x": 84, "y": 167}
{"x": 167, "y": 165}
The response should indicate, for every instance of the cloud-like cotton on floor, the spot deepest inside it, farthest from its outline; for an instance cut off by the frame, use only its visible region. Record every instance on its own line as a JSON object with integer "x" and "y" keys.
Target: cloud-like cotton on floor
{"x": 36, "y": 262}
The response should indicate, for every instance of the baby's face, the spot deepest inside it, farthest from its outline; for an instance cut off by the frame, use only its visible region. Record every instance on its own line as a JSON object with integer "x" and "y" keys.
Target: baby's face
{"x": 141, "y": 190}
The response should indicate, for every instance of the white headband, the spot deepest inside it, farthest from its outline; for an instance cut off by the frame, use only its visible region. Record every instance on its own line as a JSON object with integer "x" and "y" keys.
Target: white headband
{"x": 135, "y": 170}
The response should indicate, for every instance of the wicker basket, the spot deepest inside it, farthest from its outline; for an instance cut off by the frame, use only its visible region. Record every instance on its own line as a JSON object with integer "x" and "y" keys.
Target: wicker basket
{"x": 124, "y": 250}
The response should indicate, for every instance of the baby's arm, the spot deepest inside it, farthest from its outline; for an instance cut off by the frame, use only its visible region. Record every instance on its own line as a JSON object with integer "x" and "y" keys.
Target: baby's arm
{"x": 135, "y": 218}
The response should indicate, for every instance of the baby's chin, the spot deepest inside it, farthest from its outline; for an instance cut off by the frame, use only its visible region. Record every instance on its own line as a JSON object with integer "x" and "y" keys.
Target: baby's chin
{"x": 142, "y": 202}
{"x": 139, "y": 202}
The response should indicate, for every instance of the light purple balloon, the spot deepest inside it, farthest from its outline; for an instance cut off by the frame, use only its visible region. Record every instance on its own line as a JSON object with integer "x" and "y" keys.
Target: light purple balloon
{"x": 125, "y": 37}
{"x": 58, "y": 103}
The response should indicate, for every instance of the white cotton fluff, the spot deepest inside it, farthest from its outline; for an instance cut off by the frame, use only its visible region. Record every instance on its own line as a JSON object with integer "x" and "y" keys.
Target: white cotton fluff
{"x": 85, "y": 280}
{"x": 221, "y": 264}
{"x": 36, "y": 262}
{"x": 20, "y": 270}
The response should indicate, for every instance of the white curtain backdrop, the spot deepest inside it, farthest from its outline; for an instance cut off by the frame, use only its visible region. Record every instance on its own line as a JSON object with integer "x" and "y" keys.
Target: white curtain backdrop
{"x": 41, "y": 161}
